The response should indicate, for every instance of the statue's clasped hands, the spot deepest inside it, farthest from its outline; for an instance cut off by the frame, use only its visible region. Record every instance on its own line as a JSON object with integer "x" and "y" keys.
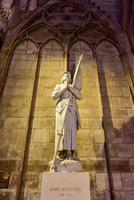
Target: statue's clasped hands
{"x": 68, "y": 85}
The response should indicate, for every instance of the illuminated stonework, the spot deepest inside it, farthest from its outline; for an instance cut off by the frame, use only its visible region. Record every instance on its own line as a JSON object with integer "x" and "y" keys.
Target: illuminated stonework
{"x": 37, "y": 49}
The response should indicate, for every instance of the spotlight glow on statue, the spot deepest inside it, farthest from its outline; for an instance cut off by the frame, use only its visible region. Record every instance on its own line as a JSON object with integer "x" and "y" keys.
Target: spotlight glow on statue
{"x": 68, "y": 143}
{"x": 67, "y": 116}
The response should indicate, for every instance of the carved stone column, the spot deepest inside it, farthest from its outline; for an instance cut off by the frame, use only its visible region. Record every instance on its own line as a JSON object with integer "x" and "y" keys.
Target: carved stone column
{"x": 3, "y": 24}
{"x": 5, "y": 13}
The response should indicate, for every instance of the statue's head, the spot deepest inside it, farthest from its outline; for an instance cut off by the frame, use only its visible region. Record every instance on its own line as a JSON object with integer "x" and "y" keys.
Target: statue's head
{"x": 66, "y": 76}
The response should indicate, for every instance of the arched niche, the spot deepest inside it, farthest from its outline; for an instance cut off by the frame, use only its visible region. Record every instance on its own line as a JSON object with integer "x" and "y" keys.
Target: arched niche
{"x": 40, "y": 33}
{"x": 15, "y": 106}
{"x": 90, "y": 136}
{"x": 114, "y": 84}
{"x": 117, "y": 108}
{"x": 51, "y": 61}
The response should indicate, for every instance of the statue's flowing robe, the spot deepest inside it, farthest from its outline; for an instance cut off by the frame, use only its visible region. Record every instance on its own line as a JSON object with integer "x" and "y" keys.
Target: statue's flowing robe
{"x": 72, "y": 119}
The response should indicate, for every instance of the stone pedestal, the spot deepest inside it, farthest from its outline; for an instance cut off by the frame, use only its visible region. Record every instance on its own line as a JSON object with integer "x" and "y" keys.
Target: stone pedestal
{"x": 66, "y": 166}
{"x": 67, "y": 186}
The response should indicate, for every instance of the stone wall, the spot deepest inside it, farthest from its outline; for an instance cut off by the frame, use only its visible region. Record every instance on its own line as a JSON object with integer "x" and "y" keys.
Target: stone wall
{"x": 118, "y": 114}
{"x": 42, "y": 142}
{"x": 27, "y": 112}
{"x": 14, "y": 112}
{"x": 91, "y": 149}
{"x": 109, "y": 6}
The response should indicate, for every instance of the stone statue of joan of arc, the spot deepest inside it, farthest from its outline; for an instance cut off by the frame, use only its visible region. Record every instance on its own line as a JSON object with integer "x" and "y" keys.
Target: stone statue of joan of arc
{"x": 67, "y": 110}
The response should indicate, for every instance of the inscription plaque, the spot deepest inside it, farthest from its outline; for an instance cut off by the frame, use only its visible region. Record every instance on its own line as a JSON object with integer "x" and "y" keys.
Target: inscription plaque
{"x": 65, "y": 186}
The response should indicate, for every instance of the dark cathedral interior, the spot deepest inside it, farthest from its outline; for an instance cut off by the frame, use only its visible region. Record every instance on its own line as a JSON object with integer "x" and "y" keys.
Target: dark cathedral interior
{"x": 41, "y": 39}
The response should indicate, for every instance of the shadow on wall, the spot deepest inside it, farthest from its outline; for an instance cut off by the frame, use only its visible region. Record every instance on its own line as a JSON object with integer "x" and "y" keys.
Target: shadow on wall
{"x": 124, "y": 137}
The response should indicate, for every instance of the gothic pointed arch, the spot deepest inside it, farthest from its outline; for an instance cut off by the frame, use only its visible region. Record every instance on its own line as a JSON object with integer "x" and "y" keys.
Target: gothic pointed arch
{"x": 47, "y": 42}
{"x": 85, "y": 15}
